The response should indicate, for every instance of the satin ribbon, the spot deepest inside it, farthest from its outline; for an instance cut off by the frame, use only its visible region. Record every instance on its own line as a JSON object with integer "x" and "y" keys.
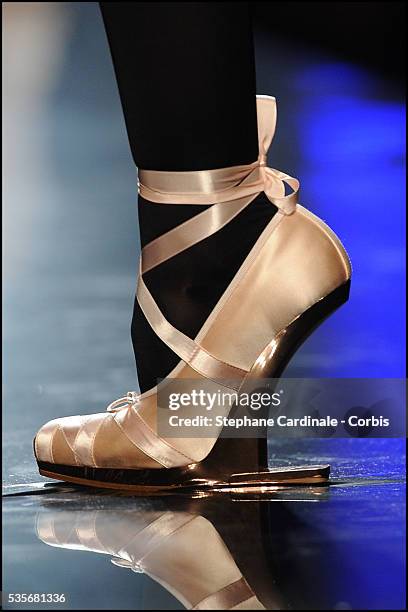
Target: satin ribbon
{"x": 227, "y": 598}
{"x": 228, "y": 191}
{"x": 223, "y": 185}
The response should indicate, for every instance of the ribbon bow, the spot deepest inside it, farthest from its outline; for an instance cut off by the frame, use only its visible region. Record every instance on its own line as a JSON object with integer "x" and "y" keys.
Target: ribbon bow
{"x": 222, "y": 185}
{"x": 130, "y": 399}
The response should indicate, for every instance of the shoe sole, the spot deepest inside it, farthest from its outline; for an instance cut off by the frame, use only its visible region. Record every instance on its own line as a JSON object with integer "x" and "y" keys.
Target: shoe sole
{"x": 132, "y": 480}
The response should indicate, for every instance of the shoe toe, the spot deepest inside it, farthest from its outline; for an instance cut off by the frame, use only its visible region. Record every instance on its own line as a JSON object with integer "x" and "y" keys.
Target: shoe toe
{"x": 95, "y": 440}
{"x": 54, "y": 441}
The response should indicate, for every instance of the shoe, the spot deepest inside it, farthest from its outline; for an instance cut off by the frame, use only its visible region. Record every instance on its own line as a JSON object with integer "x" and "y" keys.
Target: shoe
{"x": 296, "y": 274}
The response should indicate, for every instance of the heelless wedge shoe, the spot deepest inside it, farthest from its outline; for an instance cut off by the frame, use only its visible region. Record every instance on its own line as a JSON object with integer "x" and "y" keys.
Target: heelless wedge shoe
{"x": 277, "y": 297}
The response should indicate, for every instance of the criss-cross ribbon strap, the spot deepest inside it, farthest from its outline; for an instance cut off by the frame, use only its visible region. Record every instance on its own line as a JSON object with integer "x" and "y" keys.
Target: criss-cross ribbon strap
{"x": 226, "y": 192}
{"x": 227, "y": 598}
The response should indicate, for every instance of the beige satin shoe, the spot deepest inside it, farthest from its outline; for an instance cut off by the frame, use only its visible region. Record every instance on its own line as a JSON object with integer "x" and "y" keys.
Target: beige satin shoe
{"x": 296, "y": 274}
{"x": 181, "y": 551}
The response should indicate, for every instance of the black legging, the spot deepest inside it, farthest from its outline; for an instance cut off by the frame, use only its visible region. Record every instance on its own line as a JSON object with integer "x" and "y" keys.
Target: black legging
{"x": 186, "y": 77}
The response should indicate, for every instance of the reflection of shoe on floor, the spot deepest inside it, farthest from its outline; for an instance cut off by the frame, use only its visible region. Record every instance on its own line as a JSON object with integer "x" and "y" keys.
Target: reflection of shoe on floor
{"x": 181, "y": 551}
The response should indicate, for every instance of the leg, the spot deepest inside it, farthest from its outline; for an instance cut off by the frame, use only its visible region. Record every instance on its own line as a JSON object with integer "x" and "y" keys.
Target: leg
{"x": 177, "y": 65}
{"x": 187, "y": 82}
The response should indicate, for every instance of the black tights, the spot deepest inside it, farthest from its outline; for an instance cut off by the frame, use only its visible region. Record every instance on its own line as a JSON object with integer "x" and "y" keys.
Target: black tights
{"x": 186, "y": 78}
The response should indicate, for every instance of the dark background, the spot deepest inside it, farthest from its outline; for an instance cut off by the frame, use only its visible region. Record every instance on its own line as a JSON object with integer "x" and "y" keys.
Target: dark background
{"x": 371, "y": 33}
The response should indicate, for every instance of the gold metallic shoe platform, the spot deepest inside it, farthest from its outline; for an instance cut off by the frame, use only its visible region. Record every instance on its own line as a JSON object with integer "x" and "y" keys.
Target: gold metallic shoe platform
{"x": 296, "y": 275}
{"x": 214, "y": 474}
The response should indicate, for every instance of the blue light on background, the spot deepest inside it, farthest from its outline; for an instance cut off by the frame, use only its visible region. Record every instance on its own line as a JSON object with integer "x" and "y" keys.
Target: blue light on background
{"x": 352, "y": 150}
{"x": 351, "y": 140}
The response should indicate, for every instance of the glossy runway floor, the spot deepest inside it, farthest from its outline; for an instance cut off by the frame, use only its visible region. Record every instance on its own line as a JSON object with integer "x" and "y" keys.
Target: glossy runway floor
{"x": 71, "y": 248}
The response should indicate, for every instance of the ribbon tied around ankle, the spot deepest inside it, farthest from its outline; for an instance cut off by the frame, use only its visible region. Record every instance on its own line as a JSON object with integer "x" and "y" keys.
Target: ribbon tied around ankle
{"x": 224, "y": 192}
{"x": 224, "y": 185}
